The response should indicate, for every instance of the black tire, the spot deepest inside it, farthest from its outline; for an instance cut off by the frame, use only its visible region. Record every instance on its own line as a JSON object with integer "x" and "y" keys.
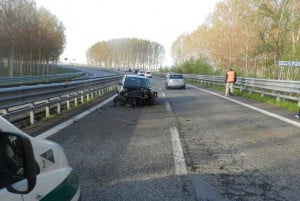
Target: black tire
{"x": 152, "y": 101}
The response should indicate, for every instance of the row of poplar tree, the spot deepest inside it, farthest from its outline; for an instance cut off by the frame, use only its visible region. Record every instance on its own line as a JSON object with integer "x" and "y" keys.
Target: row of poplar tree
{"x": 250, "y": 35}
{"x": 125, "y": 53}
{"x": 30, "y": 38}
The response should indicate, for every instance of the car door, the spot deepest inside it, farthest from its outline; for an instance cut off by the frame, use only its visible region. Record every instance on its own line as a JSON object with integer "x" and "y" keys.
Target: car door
{"x": 7, "y": 196}
{"x": 55, "y": 185}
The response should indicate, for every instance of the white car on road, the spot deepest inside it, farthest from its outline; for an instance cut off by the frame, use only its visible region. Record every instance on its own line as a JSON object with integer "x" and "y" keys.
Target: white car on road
{"x": 175, "y": 81}
{"x": 141, "y": 73}
{"x": 148, "y": 74}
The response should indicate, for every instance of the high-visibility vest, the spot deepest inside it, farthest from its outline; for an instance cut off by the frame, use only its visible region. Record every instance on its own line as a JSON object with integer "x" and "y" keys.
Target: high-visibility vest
{"x": 230, "y": 76}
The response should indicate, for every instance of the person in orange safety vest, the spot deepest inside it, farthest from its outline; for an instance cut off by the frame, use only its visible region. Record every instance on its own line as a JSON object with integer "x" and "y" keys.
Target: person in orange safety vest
{"x": 230, "y": 79}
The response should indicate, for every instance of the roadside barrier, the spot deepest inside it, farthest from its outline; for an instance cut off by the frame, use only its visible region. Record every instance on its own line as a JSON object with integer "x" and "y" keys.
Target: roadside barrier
{"x": 32, "y": 102}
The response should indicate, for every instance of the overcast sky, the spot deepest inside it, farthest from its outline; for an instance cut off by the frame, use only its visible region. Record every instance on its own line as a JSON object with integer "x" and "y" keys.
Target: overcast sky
{"x": 91, "y": 21}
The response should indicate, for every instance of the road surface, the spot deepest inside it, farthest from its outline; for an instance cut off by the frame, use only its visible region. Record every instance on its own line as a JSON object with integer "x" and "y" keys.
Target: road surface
{"x": 192, "y": 144}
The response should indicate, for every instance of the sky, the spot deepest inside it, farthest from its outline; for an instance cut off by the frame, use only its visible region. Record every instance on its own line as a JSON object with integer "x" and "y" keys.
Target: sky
{"x": 90, "y": 21}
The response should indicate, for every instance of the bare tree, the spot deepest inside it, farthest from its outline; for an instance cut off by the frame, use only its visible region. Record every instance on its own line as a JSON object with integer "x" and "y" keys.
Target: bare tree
{"x": 126, "y": 53}
{"x": 28, "y": 37}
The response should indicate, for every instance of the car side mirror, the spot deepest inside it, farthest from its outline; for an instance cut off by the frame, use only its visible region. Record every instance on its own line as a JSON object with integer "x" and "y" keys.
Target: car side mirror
{"x": 17, "y": 164}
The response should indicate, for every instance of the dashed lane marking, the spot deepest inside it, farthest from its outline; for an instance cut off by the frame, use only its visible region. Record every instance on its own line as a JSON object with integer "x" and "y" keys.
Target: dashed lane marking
{"x": 180, "y": 167}
{"x": 179, "y": 160}
{"x": 168, "y": 106}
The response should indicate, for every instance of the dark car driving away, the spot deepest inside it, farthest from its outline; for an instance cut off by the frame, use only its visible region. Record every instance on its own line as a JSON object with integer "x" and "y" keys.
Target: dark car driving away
{"x": 135, "y": 90}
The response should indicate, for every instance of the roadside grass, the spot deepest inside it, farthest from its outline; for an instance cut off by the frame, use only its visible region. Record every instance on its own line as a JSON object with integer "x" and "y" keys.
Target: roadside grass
{"x": 60, "y": 70}
{"x": 285, "y": 104}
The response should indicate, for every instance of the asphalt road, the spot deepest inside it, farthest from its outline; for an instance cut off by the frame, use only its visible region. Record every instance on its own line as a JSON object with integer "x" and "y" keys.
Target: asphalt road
{"x": 191, "y": 145}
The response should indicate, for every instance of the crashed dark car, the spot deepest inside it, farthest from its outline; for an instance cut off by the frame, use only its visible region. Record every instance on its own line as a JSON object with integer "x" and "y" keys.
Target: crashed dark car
{"x": 135, "y": 91}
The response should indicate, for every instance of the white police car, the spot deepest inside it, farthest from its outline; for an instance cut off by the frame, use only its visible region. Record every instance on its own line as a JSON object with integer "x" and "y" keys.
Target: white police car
{"x": 33, "y": 169}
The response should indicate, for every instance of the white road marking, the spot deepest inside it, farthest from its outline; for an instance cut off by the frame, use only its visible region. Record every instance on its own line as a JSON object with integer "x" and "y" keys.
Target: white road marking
{"x": 63, "y": 125}
{"x": 168, "y": 106}
{"x": 284, "y": 119}
{"x": 180, "y": 167}
{"x": 179, "y": 160}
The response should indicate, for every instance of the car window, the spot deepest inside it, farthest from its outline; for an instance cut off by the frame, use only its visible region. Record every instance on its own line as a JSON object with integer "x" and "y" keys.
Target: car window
{"x": 136, "y": 82}
{"x": 176, "y": 77}
{"x": 15, "y": 156}
{"x": 12, "y": 159}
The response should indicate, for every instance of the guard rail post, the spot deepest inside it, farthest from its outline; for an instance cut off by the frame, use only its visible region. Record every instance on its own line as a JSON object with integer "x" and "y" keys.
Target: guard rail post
{"x": 76, "y": 101}
{"x": 47, "y": 110}
{"x": 3, "y": 111}
{"x": 81, "y": 99}
{"x": 277, "y": 96}
{"x": 58, "y": 108}
{"x": 93, "y": 95}
{"x": 68, "y": 101}
{"x": 31, "y": 114}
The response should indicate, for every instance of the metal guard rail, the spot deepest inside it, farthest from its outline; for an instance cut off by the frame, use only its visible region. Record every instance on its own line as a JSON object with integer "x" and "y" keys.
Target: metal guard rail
{"x": 280, "y": 89}
{"x": 19, "y": 102}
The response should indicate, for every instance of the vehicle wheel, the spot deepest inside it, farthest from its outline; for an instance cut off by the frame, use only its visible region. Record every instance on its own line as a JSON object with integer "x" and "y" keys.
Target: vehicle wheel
{"x": 121, "y": 103}
{"x": 139, "y": 103}
{"x": 152, "y": 101}
{"x": 116, "y": 101}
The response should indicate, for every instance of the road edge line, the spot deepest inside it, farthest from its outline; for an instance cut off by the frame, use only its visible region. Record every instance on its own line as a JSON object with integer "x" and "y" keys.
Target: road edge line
{"x": 284, "y": 119}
